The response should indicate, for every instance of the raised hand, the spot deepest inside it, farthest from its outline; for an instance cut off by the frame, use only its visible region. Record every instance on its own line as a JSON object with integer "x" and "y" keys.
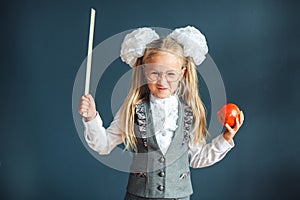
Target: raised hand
{"x": 87, "y": 107}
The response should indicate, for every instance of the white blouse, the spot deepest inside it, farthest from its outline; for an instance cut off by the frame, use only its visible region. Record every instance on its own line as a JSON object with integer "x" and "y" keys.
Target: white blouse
{"x": 164, "y": 115}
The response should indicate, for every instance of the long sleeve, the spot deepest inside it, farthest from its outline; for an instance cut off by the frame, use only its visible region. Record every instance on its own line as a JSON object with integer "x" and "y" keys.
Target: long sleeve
{"x": 100, "y": 139}
{"x": 204, "y": 155}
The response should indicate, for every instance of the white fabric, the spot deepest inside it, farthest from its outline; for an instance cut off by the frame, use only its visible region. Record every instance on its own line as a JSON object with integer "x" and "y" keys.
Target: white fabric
{"x": 134, "y": 44}
{"x": 104, "y": 140}
{"x": 164, "y": 115}
{"x": 193, "y": 42}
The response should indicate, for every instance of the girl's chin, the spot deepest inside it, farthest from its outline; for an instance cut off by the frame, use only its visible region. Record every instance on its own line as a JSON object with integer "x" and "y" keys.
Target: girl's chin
{"x": 162, "y": 94}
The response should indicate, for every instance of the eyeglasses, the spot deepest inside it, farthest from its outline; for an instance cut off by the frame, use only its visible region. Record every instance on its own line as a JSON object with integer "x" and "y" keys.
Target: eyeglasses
{"x": 154, "y": 75}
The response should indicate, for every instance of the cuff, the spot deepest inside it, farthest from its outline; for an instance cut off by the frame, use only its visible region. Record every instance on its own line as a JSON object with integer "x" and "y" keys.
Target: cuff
{"x": 224, "y": 143}
{"x": 96, "y": 122}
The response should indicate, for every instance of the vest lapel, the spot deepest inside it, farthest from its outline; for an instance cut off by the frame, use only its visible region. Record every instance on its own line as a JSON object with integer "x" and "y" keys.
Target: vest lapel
{"x": 150, "y": 129}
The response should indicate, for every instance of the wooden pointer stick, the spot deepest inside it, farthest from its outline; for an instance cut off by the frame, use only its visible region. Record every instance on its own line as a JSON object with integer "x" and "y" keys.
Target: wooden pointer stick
{"x": 89, "y": 57}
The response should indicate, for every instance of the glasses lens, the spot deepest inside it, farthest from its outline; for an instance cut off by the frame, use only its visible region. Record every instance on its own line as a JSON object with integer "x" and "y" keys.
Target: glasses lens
{"x": 172, "y": 76}
{"x": 153, "y": 75}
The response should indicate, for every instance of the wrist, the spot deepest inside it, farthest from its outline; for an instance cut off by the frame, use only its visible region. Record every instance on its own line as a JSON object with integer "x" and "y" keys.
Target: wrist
{"x": 90, "y": 118}
{"x": 227, "y": 136}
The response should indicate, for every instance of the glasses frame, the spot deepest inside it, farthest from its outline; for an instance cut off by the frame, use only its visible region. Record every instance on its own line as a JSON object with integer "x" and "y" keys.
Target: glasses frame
{"x": 162, "y": 74}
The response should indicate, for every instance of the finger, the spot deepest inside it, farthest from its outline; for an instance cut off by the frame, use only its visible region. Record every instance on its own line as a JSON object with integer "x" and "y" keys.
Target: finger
{"x": 237, "y": 123}
{"x": 85, "y": 114}
{"x": 242, "y": 117}
{"x": 89, "y": 97}
{"x": 84, "y": 98}
{"x": 82, "y": 111}
{"x": 84, "y": 107}
{"x": 228, "y": 128}
{"x": 85, "y": 103}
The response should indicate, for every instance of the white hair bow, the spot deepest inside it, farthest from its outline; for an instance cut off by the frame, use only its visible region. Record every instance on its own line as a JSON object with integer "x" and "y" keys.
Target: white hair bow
{"x": 193, "y": 42}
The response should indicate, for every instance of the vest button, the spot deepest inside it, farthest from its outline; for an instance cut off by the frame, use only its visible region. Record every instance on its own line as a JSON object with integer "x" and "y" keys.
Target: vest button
{"x": 161, "y": 188}
{"x": 161, "y": 159}
{"x": 161, "y": 174}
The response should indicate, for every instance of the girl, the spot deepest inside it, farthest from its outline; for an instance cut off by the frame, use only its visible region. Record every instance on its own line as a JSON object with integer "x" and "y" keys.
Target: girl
{"x": 162, "y": 119}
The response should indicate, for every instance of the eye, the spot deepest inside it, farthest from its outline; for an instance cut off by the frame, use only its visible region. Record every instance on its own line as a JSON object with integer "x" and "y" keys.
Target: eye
{"x": 154, "y": 73}
{"x": 171, "y": 73}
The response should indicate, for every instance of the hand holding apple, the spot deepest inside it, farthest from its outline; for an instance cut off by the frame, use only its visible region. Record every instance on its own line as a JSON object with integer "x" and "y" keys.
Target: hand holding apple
{"x": 232, "y": 118}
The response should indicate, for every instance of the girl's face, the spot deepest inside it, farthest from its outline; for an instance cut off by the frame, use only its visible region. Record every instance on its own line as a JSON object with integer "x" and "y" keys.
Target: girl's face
{"x": 163, "y": 72}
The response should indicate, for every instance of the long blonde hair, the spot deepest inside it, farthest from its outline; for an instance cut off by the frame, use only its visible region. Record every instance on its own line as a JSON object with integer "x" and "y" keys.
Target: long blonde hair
{"x": 187, "y": 91}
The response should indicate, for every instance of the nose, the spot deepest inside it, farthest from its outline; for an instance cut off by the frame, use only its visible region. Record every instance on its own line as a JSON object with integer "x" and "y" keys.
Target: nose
{"x": 162, "y": 77}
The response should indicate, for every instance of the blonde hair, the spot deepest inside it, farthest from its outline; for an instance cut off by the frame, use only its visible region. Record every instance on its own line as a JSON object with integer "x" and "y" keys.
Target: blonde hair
{"x": 187, "y": 91}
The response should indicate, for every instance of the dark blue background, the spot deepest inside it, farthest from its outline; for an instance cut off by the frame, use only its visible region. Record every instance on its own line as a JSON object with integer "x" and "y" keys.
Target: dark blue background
{"x": 254, "y": 44}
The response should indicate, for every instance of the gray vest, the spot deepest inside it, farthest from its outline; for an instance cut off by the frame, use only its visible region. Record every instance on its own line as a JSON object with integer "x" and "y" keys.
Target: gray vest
{"x": 154, "y": 175}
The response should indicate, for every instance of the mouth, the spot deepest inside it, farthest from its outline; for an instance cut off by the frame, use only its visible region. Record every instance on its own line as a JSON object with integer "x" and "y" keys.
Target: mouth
{"x": 162, "y": 88}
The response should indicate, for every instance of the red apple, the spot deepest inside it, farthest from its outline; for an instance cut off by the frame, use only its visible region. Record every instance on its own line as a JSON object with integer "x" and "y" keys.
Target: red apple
{"x": 228, "y": 114}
